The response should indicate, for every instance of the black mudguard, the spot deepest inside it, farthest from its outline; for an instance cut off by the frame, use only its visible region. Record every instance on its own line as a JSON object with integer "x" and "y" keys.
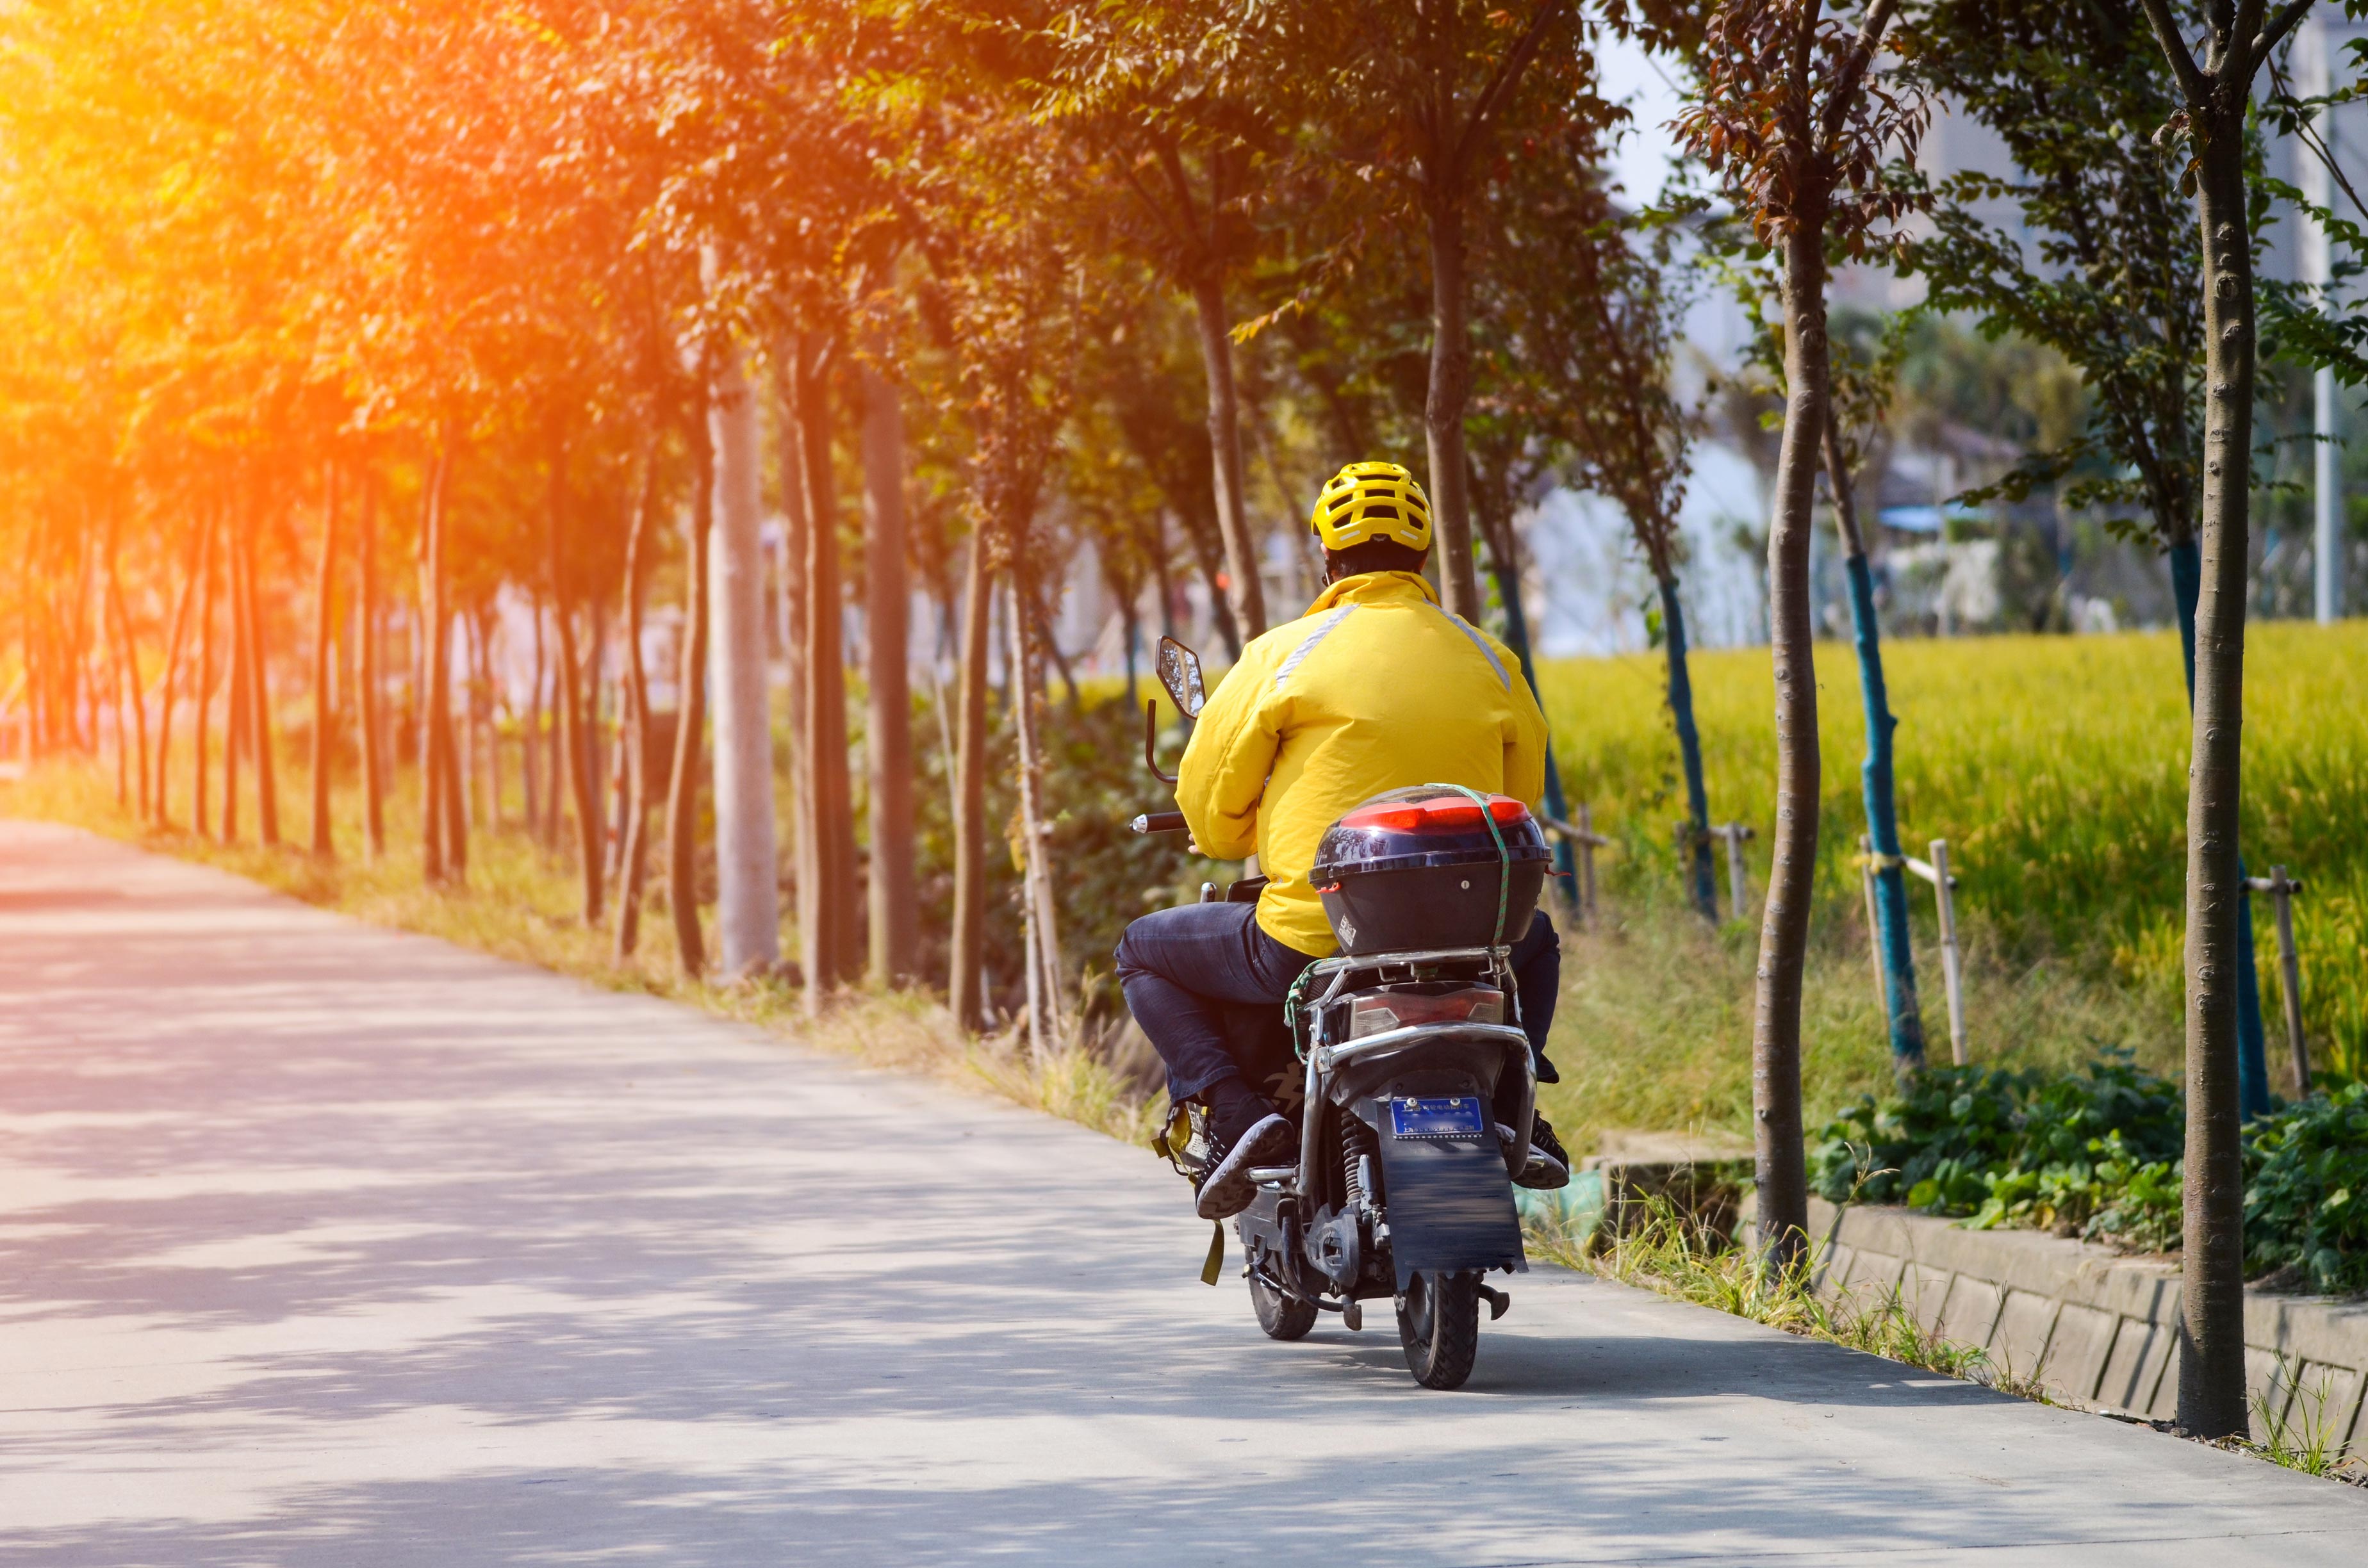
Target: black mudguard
{"x": 1449, "y": 1202}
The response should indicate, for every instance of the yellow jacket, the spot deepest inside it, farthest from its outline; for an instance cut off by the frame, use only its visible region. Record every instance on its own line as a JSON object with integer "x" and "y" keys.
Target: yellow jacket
{"x": 1375, "y": 688}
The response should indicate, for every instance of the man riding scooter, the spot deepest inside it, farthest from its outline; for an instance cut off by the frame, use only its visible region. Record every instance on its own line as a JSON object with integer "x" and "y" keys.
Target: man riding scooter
{"x": 1375, "y": 689}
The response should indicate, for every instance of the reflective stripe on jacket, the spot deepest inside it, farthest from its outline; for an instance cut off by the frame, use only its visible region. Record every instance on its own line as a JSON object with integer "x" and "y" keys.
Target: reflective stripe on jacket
{"x": 1375, "y": 688}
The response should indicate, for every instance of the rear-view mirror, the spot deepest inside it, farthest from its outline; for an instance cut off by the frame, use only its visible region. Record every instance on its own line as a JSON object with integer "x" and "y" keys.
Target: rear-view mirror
{"x": 1179, "y": 672}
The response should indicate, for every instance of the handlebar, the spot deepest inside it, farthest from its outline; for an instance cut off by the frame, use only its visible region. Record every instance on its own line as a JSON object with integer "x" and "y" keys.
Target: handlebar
{"x": 1158, "y": 822}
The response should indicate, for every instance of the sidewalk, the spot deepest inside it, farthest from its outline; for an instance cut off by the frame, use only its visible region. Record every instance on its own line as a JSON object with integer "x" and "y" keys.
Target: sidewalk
{"x": 323, "y": 1245}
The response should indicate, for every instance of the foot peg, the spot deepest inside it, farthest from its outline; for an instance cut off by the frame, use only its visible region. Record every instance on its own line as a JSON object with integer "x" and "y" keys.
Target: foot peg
{"x": 1497, "y": 1302}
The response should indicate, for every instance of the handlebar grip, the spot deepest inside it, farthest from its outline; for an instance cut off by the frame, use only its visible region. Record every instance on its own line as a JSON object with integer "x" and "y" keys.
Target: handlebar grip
{"x": 1158, "y": 822}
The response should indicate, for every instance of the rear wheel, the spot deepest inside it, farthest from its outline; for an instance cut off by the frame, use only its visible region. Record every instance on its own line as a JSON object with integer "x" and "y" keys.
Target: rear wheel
{"x": 1281, "y": 1317}
{"x": 1439, "y": 1325}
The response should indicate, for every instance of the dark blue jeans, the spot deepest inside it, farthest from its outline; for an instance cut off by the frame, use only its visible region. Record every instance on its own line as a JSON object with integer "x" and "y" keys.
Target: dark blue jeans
{"x": 1207, "y": 985}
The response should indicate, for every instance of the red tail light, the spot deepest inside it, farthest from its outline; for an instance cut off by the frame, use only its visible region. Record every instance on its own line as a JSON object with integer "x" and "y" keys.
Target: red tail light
{"x": 1442, "y": 813}
{"x": 1397, "y": 1009}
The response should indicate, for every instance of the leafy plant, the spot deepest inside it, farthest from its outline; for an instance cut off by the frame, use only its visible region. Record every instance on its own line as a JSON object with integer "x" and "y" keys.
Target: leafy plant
{"x": 2306, "y": 1191}
{"x": 2094, "y": 1153}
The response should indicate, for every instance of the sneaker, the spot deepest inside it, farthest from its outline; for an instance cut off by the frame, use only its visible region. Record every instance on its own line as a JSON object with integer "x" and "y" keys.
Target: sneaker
{"x": 1244, "y": 1131}
{"x": 1547, "y": 1167}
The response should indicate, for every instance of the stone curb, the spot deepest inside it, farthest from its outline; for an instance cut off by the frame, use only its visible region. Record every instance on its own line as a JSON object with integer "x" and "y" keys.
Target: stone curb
{"x": 2091, "y": 1326}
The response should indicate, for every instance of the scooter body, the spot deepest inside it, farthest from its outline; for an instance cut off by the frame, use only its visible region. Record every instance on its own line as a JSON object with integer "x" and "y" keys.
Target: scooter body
{"x": 1414, "y": 1072}
{"x": 1403, "y": 1186}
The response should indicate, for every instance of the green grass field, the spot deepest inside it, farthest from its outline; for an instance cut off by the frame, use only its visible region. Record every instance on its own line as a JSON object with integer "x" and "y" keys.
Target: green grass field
{"x": 2054, "y": 767}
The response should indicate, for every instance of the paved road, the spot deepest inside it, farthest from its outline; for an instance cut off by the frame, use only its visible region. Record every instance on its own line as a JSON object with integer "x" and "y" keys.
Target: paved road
{"x": 321, "y": 1244}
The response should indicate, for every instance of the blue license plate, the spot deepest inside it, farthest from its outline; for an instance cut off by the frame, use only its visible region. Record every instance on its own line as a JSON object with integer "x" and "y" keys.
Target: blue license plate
{"x": 1456, "y": 1116}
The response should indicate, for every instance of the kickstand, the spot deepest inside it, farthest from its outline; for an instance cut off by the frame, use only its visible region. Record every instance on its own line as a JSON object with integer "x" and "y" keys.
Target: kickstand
{"x": 1497, "y": 1302}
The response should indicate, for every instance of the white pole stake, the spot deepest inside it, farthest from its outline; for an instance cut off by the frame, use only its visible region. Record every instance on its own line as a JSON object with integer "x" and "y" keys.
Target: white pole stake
{"x": 1586, "y": 842}
{"x": 1874, "y": 931}
{"x": 1952, "y": 964}
{"x": 1738, "y": 883}
{"x": 2281, "y": 889}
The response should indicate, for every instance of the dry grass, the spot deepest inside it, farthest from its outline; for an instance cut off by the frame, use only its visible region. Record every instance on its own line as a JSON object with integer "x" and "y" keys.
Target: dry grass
{"x": 1655, "y": 1026}
{"x": 1678, "y": 1257}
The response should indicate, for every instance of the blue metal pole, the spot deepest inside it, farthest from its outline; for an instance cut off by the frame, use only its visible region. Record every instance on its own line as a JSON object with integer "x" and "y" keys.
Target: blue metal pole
{"x": 1681, "y": 714}
{"x": 2252, "y": 1047}
{"x": 1883, "y": 827}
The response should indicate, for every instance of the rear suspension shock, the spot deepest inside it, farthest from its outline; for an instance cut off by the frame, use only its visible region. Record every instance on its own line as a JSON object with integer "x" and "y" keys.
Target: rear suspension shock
{"x": 1358, "y": 1147}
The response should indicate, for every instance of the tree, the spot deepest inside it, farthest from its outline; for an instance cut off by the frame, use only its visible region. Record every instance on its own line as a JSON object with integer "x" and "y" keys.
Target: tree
{"x": 2113, "y": 283}
{"x": 1185, "y": 106}
{"x": 690, "y": 716}
{"x": 1859, "y": 392}
{"x": 1004, "y": 282}
{"x": 1581, "y": 305}
{"x": 747, "y": 906}
{"x": 826, "y": 832}
{"x": 895, "y": 909}
{"x": 634, "y": 851}
{"x": 366, "y": 709}
{"x": 324, "y": 634}
{"x": 1786, "y": 112}
{"x": 2216, "y": 104}
{"x": 1414, "y": 100}
{"x": 443, "y": 841}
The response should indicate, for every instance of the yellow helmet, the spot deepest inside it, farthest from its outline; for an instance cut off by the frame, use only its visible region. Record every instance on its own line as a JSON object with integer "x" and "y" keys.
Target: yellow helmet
{"x": 1369, "y": 501}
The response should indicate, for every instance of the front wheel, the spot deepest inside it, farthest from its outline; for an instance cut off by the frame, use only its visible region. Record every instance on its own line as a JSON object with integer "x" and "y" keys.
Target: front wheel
{"x": 1439, "y": 1325}
{"x": 1279, "y": 1315}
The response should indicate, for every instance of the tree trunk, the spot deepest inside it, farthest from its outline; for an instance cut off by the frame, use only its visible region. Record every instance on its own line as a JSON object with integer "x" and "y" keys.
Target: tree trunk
{"x": 620, "y": 787}
{"x": 1507, "y": 571}
{"x": 690, "y": 718}
{"x": 203, "y": 718}
{"x": 456, "y": 806}
{"x": 324, "y": 844}
{"x": 173, "y": 647}
{"x": 368, "y": 707}
{"x": 550, "y": 757}
{"x": 1443, "y": 414}
{"x": 1701, "y": 885}
{"x": 435, "y": 728}
{"x": 120, "y": 673}
{"x": 530, "y": 734}
{"x": 828, "y": 911}
{"x": 805, "y": 855}
{"x": 568, "y": 693}
{"x": 237, "y": 734}
{"x": 1890, "y": 935}
{"x": 258, "y": 691}
{"x": 2212, "y": 1290}
{"x": 895, "y": 910}
{"x": 1248, "y": 597}
{"x": 81, "y": 688}
{"x": 1046, "y": 983}
{"x": 138, "y": 697}
{"x": 1210, "y": 558}
{"x": 749, "y": 915}
{"x": 965, "y": 984}
{"x": 1047, "y": 646}
{"x": 1785, "y": 929}
{"x": 633, "y": 861}
{"x": 486, "y": 712}
{"x": 2186, "y": 562}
